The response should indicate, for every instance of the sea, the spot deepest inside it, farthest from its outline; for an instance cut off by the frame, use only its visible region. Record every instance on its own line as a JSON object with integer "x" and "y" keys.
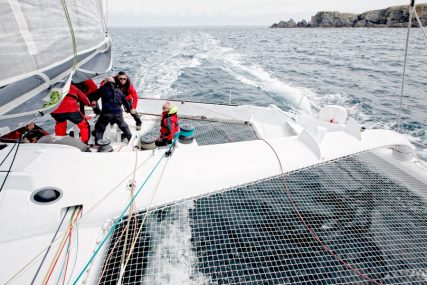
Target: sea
{"x": 299, "y": 70}
{"x": 251, "y": 234}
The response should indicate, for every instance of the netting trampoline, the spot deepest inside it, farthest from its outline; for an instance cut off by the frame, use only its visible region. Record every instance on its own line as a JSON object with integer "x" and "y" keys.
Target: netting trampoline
{"x": 365, "y": 210}
{"x": 209, "y": 132}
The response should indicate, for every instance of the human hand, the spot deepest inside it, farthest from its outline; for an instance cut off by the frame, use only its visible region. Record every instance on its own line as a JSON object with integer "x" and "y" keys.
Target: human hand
{"x": 132, "y": 111}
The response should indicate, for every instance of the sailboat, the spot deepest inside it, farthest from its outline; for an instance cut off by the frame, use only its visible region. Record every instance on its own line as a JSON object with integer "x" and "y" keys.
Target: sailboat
{"x": 244, "y": 194}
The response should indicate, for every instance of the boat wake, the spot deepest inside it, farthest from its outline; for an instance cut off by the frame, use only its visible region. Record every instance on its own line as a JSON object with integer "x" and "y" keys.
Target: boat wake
{"x": 172, "y": 259}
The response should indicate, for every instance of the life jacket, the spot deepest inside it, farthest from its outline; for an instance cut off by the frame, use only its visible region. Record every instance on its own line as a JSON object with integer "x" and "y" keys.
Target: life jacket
{"x": 169, "y": 125}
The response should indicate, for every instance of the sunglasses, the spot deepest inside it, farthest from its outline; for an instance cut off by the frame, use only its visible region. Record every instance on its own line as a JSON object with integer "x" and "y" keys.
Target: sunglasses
{"x": 123, "y": 78}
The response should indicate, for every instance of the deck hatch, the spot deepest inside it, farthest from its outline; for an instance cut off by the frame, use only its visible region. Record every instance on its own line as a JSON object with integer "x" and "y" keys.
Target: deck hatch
{"x": 364, "y": 209}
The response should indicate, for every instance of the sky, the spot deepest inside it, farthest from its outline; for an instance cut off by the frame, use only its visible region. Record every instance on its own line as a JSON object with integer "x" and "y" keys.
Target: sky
{"x": 229, "y": 12}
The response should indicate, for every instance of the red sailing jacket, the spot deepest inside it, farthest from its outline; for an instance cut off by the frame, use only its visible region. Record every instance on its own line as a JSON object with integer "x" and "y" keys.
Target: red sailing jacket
{"x": 169, "y": 124}
{"x": 131, "y": 95}
{"x": 70, "y": 102}
{"x": 87, "y": 86}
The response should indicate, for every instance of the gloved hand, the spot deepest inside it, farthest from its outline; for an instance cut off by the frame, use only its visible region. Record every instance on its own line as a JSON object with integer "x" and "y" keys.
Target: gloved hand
{"x": 132, "y": 111}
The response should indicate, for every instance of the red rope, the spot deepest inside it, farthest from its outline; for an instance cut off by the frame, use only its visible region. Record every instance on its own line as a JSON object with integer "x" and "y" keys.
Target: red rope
{"x": 313, "y": 234}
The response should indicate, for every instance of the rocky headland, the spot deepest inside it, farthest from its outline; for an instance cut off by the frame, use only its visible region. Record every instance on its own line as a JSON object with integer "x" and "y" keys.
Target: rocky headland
{"x": 393, "y": 17}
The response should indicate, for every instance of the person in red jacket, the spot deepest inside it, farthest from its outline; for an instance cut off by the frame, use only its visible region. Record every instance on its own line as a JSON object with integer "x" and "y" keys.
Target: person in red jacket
{"x": 168, "y": 125}
{"x": 127, "y": 88}
{"x": 87, "y": 87}
{"x": 29, "y": 133}
{"x": 69, "y": 110}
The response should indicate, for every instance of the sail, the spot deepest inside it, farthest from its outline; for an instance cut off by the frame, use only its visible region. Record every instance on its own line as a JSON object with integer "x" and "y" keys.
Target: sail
{"x": 43, "y": 45}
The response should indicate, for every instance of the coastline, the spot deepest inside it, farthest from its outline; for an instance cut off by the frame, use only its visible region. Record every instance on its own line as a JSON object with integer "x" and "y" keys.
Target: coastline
{"x": 391, "y": 17}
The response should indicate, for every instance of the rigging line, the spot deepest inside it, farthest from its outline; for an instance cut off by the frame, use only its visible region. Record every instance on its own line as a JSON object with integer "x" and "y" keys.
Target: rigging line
{"x": 63, "y": 264}
{"x": 117, "y": 221}
{"x": 131, "y": 209}
{"x": 57, "y": 254}
{"x": 67, "y": 255}
{"x": 11, "y": 164}
{"x": 48, "y": 249}
{"x": 419, "y": 23}
{"x": 411, "y": 7}
{"x": 7, "y": 155}
{"x": 70, "y": 27}
{"x": 100, "y": 5}
{"x": 77, "y": 249}
{"x": 123, "y": 268}
{"x": 61, "y": 247}
{"x": 311, "y": 231}
{"x": 26, "y": 266}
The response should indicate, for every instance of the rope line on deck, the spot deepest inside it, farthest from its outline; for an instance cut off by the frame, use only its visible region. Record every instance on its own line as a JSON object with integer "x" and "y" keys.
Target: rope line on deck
{"x": 311, "y": 231}
{"x": 117, "y": 221}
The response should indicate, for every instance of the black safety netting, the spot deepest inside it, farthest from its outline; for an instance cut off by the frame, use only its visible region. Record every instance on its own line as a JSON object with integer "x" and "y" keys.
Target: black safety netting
{"x": 209, "y": 132}
{"x": 369, "y": 213}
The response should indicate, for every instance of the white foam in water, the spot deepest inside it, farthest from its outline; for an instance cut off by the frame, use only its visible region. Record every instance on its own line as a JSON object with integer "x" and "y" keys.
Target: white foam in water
{"x": 173, "y": 261}
{"x": 157, "y": 78}
{"x": 255, "y": 75}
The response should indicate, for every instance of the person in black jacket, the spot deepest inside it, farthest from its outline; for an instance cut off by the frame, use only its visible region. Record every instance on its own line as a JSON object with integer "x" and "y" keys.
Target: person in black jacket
{"x": 112, "y": 112}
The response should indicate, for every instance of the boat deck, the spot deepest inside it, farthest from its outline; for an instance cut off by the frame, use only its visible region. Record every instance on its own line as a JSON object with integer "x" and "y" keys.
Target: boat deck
{"x": 355, "y": 220}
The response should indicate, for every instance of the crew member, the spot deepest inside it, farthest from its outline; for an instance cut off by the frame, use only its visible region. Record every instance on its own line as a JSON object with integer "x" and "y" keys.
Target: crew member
{"x": 168, "y": 124}
{"x": 112, "y": 113}
{"x": 127, "y": 88}
{"x": 69, "y": 110}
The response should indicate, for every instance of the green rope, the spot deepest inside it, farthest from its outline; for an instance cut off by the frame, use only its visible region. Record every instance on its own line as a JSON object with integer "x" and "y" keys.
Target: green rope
{"x": 73, "y": 37}
{"x": 117, "y": 222}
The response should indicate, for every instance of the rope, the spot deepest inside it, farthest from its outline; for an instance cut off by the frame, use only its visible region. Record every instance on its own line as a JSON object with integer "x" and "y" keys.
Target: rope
{"x": 70, "y": 26}
{"x": 11, "y": 164}
{"x": 77, "y": 251}
{"x": 411, "y": 8}
{"x": 61, "y": 247}
{"x": 419, "y": 23}
{"x": 132, "y": 210}
{"x": 48, "y": 249}
{"x": 116, "y": 223}
{"x": 123, "y": 267}
{"x": 102, "y": 16}
{"x": 313, "y": 234}
{"x": 26, "y": 266}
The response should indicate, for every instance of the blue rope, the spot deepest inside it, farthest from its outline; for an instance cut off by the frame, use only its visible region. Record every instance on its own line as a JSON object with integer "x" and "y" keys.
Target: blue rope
{"x": 116, "y": 223}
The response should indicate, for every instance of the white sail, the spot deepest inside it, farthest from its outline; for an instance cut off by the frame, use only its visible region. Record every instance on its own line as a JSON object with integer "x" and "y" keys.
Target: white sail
{"x": 43, "y": 44}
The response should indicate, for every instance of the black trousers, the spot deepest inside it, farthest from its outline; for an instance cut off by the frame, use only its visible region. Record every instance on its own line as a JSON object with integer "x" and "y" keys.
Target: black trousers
{"x": 105, "y": 119}
{"x": 163, "y": 142}
{"x": 137, "y": 118}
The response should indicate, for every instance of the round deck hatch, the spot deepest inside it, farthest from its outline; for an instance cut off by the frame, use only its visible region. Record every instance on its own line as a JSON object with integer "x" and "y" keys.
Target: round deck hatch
{"x": 46, "y": 195}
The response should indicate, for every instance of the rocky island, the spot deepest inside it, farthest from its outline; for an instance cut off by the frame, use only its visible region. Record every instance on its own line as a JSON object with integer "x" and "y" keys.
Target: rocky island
{"x": 394, "y": 17}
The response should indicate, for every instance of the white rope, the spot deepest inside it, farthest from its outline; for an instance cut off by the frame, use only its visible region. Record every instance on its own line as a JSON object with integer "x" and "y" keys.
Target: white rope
{"x": 404, "y": 67}
{"x": 419, "y": 23}
{"x": 123, "y": 267}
